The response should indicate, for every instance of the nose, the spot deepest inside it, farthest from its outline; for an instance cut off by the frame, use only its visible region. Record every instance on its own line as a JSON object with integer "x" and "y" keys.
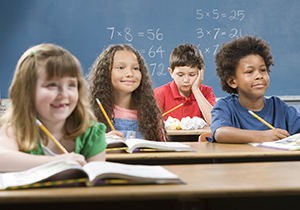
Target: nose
{"x": 129, "y": 72}
{"x": 186, "y": 79}
{"x": 258, "y": 75}
{"x": 62, "y": 92}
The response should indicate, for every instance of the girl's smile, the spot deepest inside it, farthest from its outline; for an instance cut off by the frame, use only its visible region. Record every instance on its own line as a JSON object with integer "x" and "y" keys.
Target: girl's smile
{"x": 56, "y": 99}
{"x": 126, "y": 75}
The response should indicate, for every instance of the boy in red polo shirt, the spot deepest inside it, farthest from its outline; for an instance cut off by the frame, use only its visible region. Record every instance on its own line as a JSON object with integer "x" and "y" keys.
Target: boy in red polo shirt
{"x": 187, "y": 71}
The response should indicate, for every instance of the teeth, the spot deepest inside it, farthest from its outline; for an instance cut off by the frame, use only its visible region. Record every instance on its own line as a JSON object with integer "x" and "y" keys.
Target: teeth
{"x": 57, "y": 106}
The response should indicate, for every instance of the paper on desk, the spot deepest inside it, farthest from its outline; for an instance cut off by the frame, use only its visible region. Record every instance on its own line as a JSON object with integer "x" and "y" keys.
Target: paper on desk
{"x": 186, "y": 123}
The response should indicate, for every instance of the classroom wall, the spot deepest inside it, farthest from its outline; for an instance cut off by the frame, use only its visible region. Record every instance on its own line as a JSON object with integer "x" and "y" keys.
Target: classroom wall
{"x": 154, "y": 28}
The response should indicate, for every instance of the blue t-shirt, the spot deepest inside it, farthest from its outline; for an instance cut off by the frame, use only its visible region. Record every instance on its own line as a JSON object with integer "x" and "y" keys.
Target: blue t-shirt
{"x": 229, "y": 112}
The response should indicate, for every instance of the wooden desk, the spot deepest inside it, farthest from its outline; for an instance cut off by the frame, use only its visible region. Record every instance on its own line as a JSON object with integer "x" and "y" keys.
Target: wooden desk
{"x": 207, "y": 153}
{"x": 187, "y": 135}
{"x": 273, "y": 185}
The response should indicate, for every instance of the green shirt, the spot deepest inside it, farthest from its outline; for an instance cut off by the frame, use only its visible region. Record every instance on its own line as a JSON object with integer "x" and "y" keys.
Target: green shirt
{"x": 90, "y": 143}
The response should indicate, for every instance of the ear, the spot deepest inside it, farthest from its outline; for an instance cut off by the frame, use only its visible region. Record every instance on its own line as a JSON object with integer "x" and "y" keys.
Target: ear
{"x": 171, "y": 72}
{"x": 231, "y": 82}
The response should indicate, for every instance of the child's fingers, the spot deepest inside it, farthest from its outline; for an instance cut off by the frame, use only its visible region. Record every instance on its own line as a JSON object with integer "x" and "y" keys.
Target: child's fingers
{"x": 115, "y": 133}
{"x": 201, "y": 74}
{"x": 79, "y": 158}
{"x": 280, "y": 133}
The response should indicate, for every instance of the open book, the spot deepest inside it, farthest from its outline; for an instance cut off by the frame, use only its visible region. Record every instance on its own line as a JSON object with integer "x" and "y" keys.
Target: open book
{"x": 134, "y": 145}
{"x": 92, "y": 174}
{"x": 290, "y": 143}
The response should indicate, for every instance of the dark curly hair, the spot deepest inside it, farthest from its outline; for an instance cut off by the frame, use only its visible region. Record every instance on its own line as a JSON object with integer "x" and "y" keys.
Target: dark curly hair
{"x": 228, "y": 57}
{"x": 186, "y": 55}
{"x": 150, "y": 120}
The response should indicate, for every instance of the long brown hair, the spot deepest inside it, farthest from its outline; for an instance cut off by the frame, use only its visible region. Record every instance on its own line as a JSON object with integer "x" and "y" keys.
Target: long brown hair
{"x": 21, "y": 115}
{"x": 150, "y": 120}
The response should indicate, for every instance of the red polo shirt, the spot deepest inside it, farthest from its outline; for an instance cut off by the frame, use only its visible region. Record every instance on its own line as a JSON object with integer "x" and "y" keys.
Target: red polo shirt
{"x": 168, "y": 97}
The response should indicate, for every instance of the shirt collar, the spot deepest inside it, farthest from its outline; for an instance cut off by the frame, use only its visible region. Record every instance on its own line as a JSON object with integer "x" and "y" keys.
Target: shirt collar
{"x": 177, "y": 95}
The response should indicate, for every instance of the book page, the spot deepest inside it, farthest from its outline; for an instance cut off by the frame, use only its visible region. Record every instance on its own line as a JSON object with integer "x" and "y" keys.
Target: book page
{"x": 110, "y": 170}
{"x": 37, "y": 174}
{"x": 288, "y": 143}
{"x": 291, "y": 142}
{"x": 170, "y": 146}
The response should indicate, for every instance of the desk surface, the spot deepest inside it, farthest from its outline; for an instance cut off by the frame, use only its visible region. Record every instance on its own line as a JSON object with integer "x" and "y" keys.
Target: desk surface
{"x": 202, "y": 181}
{"x": 205, "y": 152}
{"x": 188, "y": 132}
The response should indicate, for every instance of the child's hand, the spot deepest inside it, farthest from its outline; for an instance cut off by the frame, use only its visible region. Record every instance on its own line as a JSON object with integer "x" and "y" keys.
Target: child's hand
{"x": 274, "y": 135}
{"x": 115, "y": 133}
{"x": 198, "y": 80}
{"x": 73, "y": 156}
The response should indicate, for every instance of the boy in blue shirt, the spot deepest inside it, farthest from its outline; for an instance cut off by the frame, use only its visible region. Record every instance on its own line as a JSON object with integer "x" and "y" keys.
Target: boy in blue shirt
{"x": 243, "y": 66}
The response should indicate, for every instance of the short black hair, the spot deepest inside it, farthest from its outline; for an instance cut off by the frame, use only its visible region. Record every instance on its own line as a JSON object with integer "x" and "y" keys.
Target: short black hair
{"x": 228, "y": 57}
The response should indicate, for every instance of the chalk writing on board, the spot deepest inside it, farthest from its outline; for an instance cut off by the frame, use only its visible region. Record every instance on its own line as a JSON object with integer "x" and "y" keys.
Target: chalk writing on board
{"x": 216, "y": 32}
{"x": 234, "y": 33}
{"x": 215, "y": 14}
{"x": 151, "y": 34}
{"x": 153, "y": 51}
{"x": 203, "y": 35}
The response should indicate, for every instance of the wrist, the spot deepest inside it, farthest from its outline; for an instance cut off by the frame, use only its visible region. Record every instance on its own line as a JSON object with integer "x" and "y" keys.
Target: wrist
{"x": 194, "y": 89}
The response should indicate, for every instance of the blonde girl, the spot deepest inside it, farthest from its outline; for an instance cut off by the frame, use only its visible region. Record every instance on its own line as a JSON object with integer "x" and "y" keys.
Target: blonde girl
{"x": 48, "y": 85}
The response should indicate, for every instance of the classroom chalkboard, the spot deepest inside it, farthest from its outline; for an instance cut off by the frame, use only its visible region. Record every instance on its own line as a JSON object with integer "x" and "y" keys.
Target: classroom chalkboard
{"x": 154, "y": 28}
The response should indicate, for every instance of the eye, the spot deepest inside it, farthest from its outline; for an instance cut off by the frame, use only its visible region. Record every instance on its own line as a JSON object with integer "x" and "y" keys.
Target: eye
{"x": 180, "y": 75}
{"x": 73, "y": 84}
{"x": 51, "y": 84}
{"x": 136, "y": 68}
{"x": 263, "y": 70}
{"x": 249, "y": 72}
{"x": 120, "y": 67}
{"x": 192, "y": 75}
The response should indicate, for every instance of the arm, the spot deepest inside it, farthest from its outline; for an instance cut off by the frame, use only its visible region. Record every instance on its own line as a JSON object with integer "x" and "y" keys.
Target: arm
{"x": 236, "y": 135}
{"x": 14, "y": 160}
{"x": 98, "y": 157}
{"x": 203, "y": 104}
{"x": 115, "y": 133}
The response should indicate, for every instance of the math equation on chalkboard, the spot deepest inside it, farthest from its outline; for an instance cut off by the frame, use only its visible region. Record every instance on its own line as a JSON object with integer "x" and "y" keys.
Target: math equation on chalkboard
{"x": 154, "y": 51}
{"x": 219, "y": 27}
{"x": 214, "y": 33}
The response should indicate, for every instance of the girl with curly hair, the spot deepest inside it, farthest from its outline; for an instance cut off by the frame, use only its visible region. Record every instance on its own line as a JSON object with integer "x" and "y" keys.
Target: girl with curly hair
{"x": 243, "y": 66}
{"x": 119, "y": 78}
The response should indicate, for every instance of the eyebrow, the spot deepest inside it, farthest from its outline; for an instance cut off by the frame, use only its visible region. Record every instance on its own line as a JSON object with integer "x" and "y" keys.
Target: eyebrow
{"x": 263, "y": 65}
{"x": 191, "y": 72}
{"x": 124, "y": 62}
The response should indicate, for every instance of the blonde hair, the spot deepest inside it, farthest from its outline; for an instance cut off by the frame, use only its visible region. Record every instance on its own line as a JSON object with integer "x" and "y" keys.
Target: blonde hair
{"x": 21, "y": 115}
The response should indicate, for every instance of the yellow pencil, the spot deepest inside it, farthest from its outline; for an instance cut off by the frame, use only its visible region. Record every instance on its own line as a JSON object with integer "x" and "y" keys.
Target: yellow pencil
{"x": 104, "y": 112}
{"x": 118, "y": 148}
{"x": 51, "y": 136}
{"x": 146, "y": 150}
{"x": 260, "y": 119}
{"x": 172, "y": 109}
{"x": 116, "y": 181}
